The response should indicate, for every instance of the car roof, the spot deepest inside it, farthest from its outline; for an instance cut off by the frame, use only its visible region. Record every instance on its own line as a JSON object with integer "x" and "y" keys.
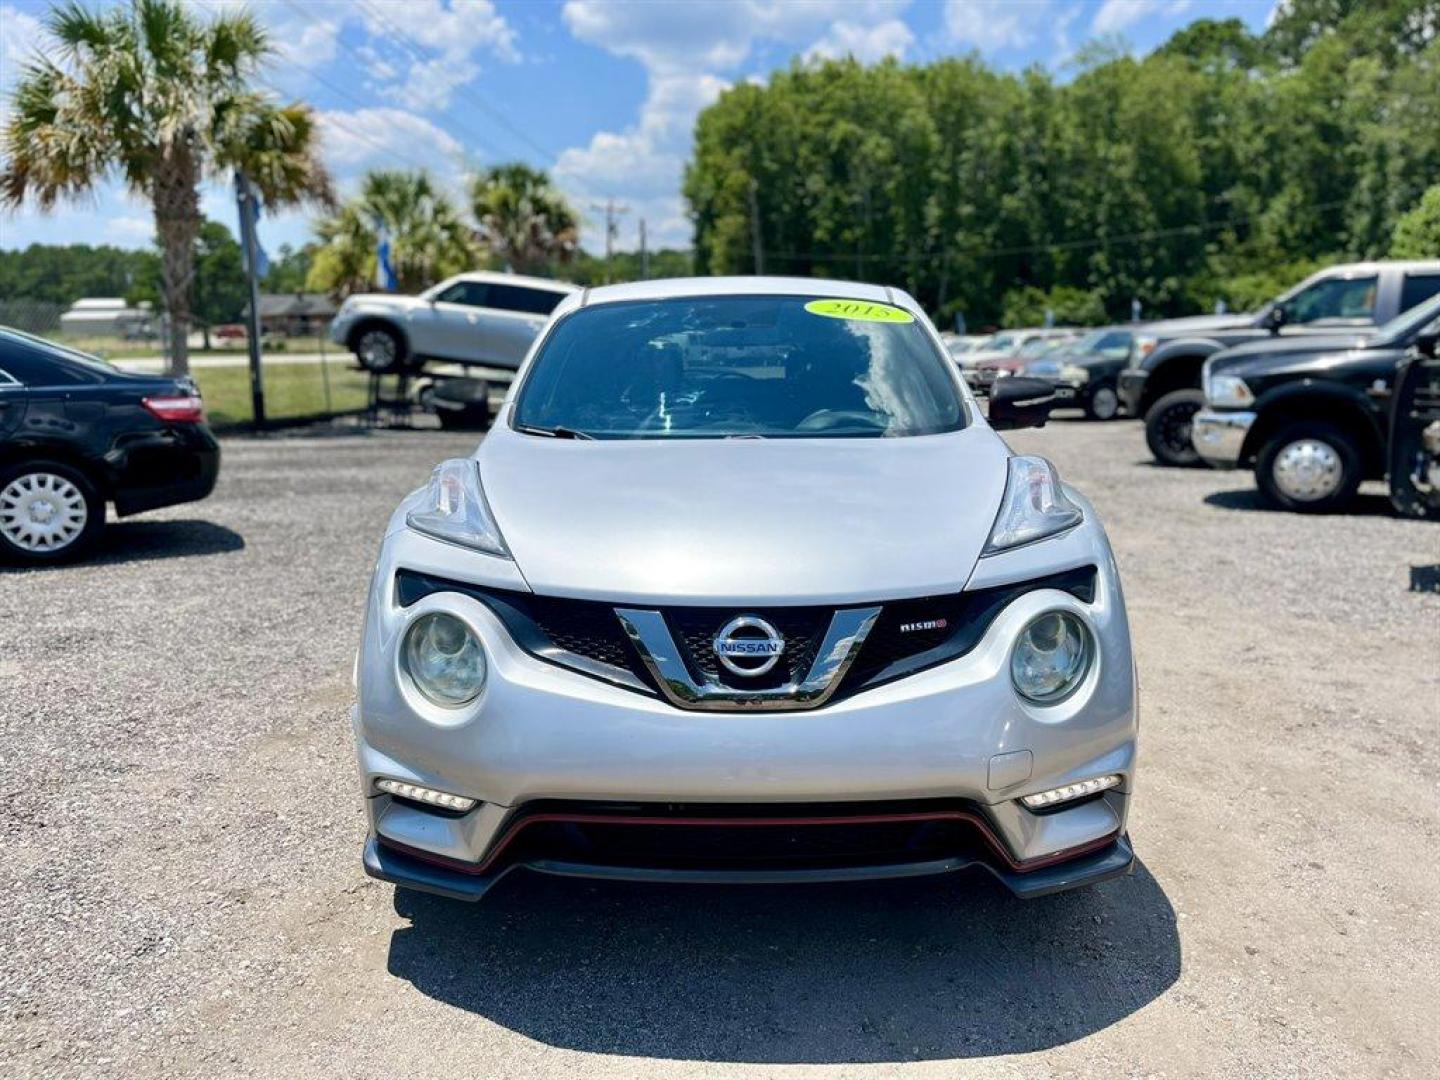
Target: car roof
{"x": 669, "y": 288}
{"x": 499, "y": 277}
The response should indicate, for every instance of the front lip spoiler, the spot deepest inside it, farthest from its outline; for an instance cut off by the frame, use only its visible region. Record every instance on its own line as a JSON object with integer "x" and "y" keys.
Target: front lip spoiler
{"x": 1088, "y": 866}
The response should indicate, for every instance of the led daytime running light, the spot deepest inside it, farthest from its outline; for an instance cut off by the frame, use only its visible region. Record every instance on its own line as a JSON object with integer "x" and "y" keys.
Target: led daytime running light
{"x": 1042, "y": 799}
{"x": 417, "y": 793}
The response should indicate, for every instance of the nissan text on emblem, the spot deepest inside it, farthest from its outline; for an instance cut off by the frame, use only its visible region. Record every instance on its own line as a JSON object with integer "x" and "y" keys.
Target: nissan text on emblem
{"x": 748, "y": 645}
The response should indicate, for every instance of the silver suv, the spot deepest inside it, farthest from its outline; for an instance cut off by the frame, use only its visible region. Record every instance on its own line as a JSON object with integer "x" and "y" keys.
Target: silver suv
{"x": 742, "y": 587}
{"x": 480, "y": 318}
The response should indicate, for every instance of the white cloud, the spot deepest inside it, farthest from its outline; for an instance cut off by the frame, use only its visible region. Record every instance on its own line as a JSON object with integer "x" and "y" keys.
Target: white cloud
{"x": 127, "y": 231}
{"x": 435, "y": 45}
{"x": 21, "y": 34}
{"x": 690, "y": 52}
{"x": 868, "y": 44}
{"x": 991, "y": 24}
{"x": 1115, "y": 16}
{"x": 388, "y": 138}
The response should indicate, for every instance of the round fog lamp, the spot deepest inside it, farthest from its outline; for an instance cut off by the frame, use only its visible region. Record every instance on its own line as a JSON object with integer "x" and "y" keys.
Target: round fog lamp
{"x": 1051, "y": 656}
{"x": 444, "y": 659}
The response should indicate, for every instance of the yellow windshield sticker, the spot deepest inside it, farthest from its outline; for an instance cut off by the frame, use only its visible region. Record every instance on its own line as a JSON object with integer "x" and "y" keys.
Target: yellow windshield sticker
{"x": 859, "y": 310}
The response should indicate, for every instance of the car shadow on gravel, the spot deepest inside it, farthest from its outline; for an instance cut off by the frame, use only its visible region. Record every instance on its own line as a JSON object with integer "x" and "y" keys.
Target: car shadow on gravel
{"x": 1363, "y": 505}
{"x": 878, "y": 972}
{"x": 142, "y": 541}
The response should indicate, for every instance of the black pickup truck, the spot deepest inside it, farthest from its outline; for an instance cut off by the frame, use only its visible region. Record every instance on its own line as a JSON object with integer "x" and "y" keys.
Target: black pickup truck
{"x": 1310, "y": 415}
{"x": 1162, "y": 383}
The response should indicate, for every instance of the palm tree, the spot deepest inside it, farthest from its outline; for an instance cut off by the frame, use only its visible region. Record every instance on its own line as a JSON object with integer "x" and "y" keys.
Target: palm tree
{"x": 523, "y": 219}
{"x": 428, "y": 241}
{"x": 161, "y": 96}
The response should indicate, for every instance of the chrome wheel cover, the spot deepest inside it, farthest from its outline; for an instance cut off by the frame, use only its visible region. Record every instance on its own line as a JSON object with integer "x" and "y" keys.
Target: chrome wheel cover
{"x": 1308, "y": 470}
{"x": 377, "y": 349}
{"x": 41, "y": 512}
{"x": 1104, "y": 403}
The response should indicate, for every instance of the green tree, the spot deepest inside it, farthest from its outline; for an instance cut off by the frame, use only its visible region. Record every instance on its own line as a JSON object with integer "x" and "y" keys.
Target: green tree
{"x": 1417, "y": 234}
{"x": 160, "y": 95}
{"x": 522, "y": 219}
{"x": 289, "y": 269}
{"x": 61, "y": 274}
{"x": 428, "y": 241}
{"x": 221, "y": 288}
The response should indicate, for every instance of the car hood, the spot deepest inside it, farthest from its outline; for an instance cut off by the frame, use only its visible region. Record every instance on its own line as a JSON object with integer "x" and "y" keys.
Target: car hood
{"x": 1196, "y": 324}
{"x": 1278, "y": 352}
{"x": 731, "y": 521}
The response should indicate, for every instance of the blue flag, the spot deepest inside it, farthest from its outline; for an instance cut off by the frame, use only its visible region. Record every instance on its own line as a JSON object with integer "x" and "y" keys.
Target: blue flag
{"x": 262, "y": 261}
{"x": 384, "y": 270}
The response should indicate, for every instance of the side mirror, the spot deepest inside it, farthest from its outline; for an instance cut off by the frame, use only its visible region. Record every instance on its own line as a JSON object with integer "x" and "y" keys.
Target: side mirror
{"x": 1276, "y": 317}
{"x": 1428, "y": 343}
{"x": 1018, "y": 402}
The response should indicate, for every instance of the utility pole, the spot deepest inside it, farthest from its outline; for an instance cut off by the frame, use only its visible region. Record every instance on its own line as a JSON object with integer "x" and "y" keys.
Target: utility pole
{"x": 644, "y": 254}
{"x": 612, "y": 210}
{"x": 245, "y": 200}
{"x": 755, "y": 242}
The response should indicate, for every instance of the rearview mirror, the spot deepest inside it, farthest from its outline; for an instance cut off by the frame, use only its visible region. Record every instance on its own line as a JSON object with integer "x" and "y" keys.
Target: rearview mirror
{"x": 1018, "y": 402}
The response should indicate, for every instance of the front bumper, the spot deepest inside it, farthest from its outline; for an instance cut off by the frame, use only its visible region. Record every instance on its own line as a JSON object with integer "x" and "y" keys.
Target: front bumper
{"x": 1219, "y": 437}
{"x": 540, "y": 734}
{"x": 1131, "y": 386}
{"x": 386, "y": 862}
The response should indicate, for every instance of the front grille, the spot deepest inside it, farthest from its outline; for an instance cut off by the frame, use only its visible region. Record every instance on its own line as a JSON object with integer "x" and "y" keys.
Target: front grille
{"x": 695, "y": 629}
{"x": 583, "y": 628}
{"x": 904, "y": 639}
{"x": 718, "y": 837}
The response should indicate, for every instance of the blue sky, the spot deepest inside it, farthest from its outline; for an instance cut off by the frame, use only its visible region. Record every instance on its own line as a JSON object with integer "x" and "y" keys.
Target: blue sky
{"x": 603, "y": 93}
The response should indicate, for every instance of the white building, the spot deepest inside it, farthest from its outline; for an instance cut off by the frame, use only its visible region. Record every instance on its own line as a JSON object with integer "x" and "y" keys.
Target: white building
{"x": 105, "y": 316}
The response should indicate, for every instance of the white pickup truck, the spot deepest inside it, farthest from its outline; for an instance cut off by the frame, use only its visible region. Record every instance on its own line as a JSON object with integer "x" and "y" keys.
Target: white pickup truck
{"x": 480, "y": 318}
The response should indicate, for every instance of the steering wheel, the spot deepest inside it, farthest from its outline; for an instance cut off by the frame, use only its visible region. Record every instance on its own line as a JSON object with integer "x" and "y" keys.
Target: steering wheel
{"x": 825, "y": 419}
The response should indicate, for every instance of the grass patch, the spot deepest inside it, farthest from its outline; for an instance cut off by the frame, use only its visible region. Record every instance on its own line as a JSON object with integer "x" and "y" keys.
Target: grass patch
{"x": 291, "y": 390}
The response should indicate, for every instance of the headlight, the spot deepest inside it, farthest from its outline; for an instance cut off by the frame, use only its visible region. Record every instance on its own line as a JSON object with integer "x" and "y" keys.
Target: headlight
{"x": 1033, "y": 507}
{"x": 454, "y": 509}
{"x": 1229, "y": 390}
{"x": 1074, "y": 373}
{"x": 1051, "y": 656}
{"x": 444, "y": 659}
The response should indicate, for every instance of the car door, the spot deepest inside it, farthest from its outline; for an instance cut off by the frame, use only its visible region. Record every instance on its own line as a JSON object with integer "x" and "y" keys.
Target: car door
{"x": 514, "y": 315}
{"x": 449, "y": 327}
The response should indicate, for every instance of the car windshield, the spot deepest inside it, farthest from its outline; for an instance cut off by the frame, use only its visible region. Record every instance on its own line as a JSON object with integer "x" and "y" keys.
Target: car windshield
{"x": 1408, "y": 322}
{"x": 1000, "y": 343}
{"x": 738, "y": 366}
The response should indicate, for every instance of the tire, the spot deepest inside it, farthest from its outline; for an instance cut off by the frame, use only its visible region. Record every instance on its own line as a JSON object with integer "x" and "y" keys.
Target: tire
{"x": 1309, "y": 467}
{"x": 50, "y": 512}
{"x": 1103, "y": 403}
{"x": 379, "y": 349}
{"x": 1167, "y": 427}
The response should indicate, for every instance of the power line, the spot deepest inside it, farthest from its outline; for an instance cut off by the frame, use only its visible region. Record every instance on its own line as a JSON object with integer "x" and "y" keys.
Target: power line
{"x": 418, "y": 53}
{"x": 470, "y": 132}
{"x": 1030, "y": 249}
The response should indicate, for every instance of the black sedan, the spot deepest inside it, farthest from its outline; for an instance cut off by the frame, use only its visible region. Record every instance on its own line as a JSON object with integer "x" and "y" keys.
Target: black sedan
{"x": 1084, "y": 371}
{"x": 76, "y": 433}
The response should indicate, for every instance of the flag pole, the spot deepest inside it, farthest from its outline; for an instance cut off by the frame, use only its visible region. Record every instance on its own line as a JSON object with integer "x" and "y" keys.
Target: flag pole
{"x": 245, "y": 200}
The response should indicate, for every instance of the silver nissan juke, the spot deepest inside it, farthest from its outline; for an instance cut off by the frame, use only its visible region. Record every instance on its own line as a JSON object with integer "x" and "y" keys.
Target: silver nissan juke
{"x": 742, "y": 587}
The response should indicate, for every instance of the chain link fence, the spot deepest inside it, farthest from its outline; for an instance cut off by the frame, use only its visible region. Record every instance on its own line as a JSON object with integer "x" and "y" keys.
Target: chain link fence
{"x": 307, "y": 377}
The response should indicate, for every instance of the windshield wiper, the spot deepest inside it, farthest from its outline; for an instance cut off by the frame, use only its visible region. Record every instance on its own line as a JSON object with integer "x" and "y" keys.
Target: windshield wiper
{"x": 556, "y": 432}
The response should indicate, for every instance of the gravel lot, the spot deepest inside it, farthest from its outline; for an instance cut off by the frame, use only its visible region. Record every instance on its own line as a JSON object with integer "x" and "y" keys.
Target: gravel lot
{"x": 181, "y": 889}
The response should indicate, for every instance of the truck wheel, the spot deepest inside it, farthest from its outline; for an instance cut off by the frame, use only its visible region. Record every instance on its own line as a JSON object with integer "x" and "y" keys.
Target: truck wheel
{"x": 1310, "y": 467}
{"x": 49, "y": 512}
{"x": 379, "y": 349}
{"x": 1167, "y": 427}
{"x": 1103, "y": 403}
